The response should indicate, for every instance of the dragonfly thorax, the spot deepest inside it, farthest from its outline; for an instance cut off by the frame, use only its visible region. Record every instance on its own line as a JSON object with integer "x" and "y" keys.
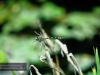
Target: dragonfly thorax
{"x": 39, "y": 38}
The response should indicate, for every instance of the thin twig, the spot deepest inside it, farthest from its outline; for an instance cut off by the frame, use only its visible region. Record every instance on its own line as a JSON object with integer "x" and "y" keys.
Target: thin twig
{"x": 36, "y": 70}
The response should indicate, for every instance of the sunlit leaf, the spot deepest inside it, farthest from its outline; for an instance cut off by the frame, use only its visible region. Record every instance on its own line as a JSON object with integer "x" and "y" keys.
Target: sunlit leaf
{"x": 3, "y": 57}
{"x": 97, "y": 61}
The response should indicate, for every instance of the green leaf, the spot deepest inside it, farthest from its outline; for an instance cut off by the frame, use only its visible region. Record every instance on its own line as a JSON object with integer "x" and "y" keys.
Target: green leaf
{"x": 3, "y": 58}
{"x": 51, "y": 11}
{"x": 13, "y": 73}
{"x": 97, "y": 61}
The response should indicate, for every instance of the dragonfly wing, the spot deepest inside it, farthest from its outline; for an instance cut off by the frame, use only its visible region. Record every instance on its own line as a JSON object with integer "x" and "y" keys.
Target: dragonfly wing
{"x": 41, "y": 45}
{"x": 36, "y": 46}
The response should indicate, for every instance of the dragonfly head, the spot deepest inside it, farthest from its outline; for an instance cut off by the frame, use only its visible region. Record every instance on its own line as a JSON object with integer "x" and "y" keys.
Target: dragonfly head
{"x": 39, "y": 38}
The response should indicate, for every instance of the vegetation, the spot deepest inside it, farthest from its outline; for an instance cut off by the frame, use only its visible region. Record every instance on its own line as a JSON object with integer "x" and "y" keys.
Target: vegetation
{"x": 18, "y": 21}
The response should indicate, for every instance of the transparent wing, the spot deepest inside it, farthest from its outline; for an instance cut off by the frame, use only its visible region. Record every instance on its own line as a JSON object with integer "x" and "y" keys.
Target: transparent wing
{"x": 36, "y": 47}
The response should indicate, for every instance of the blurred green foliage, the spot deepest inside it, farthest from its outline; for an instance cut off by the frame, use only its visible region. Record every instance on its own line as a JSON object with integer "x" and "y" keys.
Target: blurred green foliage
{"x": 78, "y": 25}
{"x": 50, "y": 11}
{"x": 3, "y": 57}
{"x": 19, "y": 49}
{"x": 19, "y": 15}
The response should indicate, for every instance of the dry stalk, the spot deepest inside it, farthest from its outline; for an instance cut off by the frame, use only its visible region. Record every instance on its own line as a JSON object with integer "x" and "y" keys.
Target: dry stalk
{"x": 46, "y": 58}
{"x": 70, "y": 57}
{"x": 50, "y": 45}
{"x": 36, "y": 70}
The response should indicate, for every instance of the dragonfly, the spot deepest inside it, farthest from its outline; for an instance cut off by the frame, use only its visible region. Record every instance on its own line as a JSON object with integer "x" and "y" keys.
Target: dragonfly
{"x": 41, "y": 39}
